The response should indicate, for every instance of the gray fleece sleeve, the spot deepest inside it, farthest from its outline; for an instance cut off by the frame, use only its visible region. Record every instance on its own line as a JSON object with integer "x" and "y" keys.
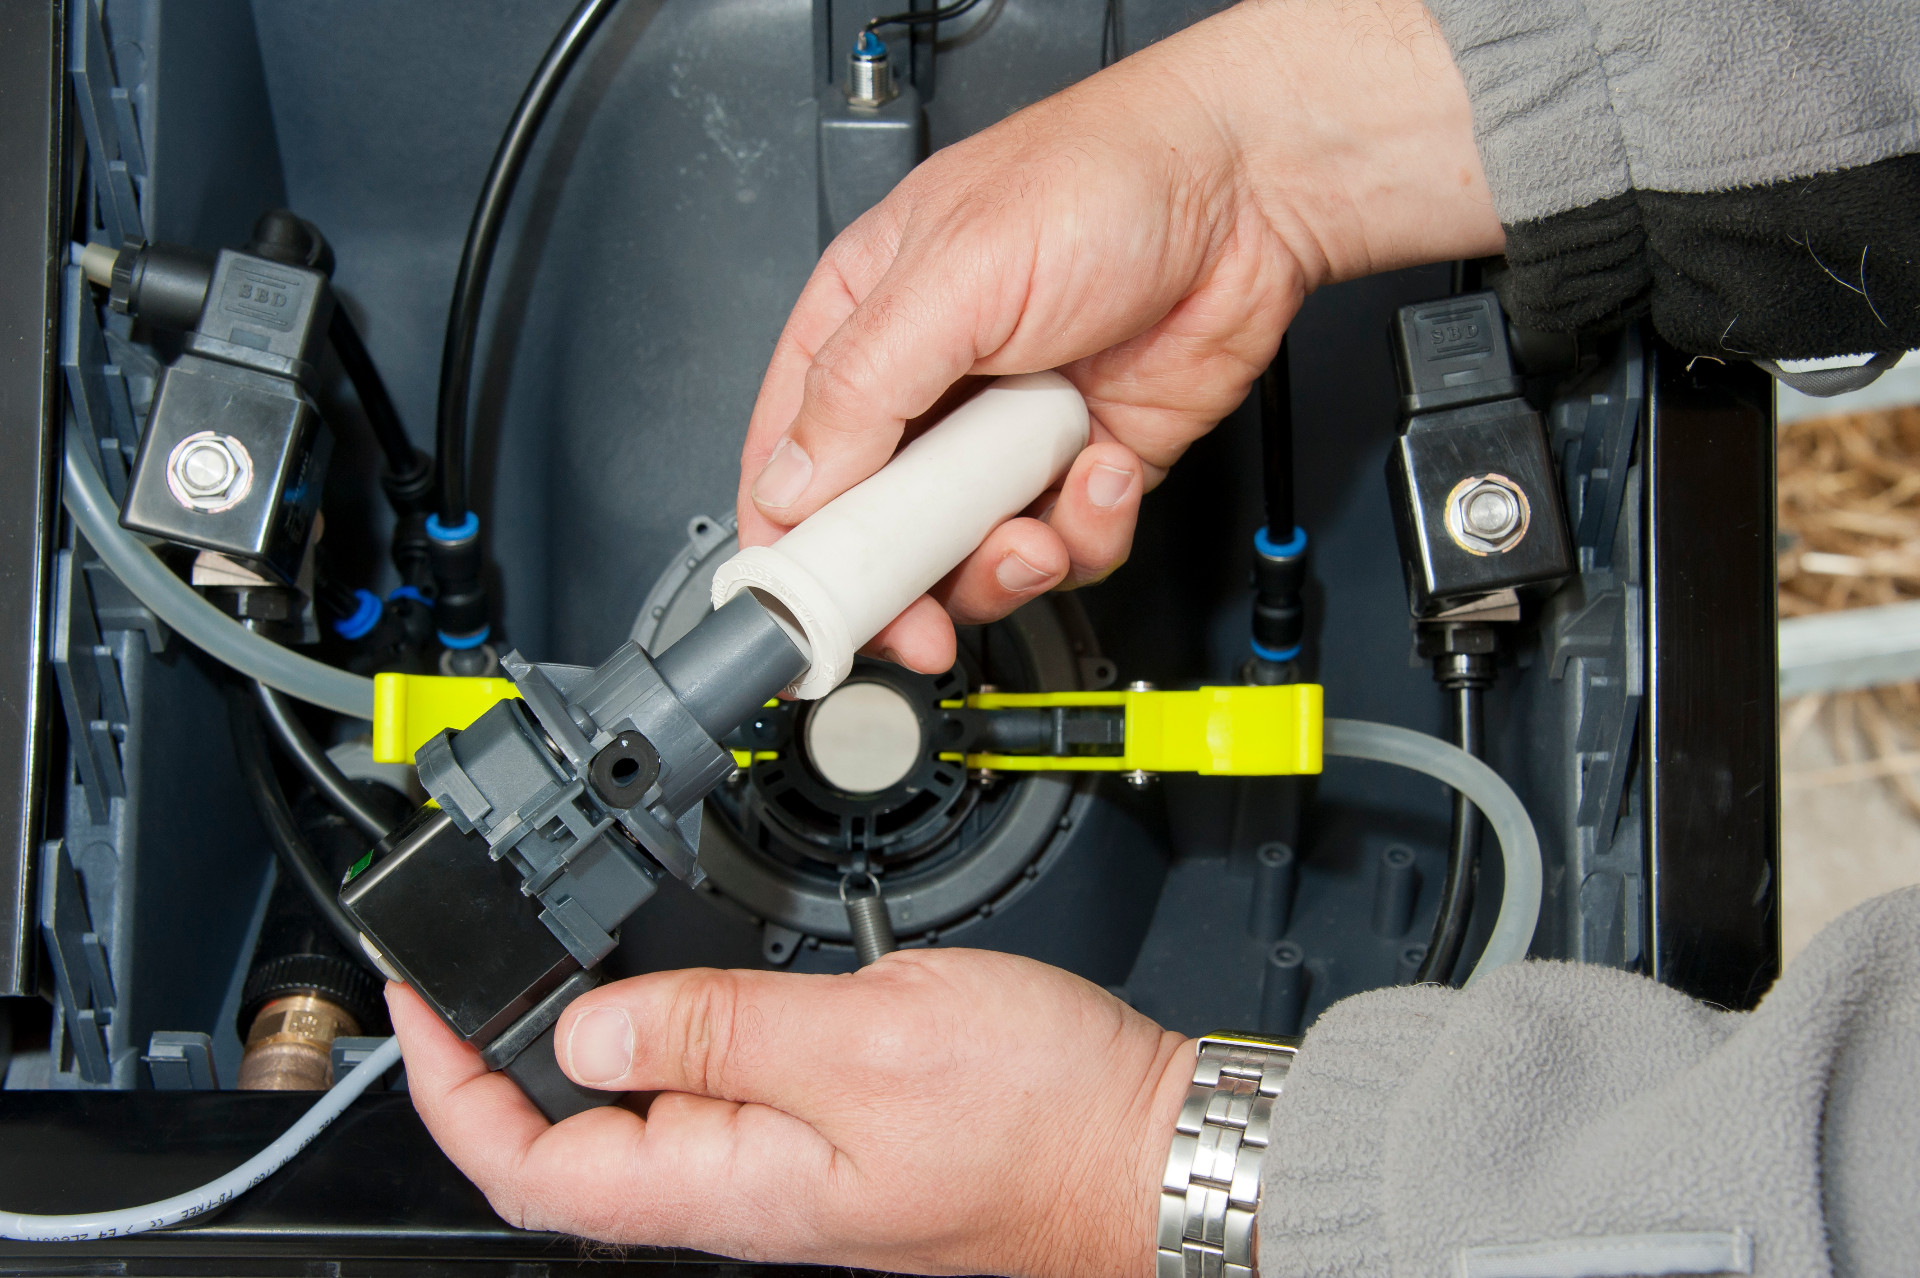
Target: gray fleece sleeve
{"x": 1578, "y": 100}
{"x": 1568, "y": 1121}
{"x": 1743, "y": 169}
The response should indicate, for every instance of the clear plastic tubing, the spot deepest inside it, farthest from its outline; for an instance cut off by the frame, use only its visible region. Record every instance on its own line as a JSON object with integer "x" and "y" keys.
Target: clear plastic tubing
{"x": 1519, "y": 845}
{"x": 180, "y": 606}
{"x": 87, "y": 1226}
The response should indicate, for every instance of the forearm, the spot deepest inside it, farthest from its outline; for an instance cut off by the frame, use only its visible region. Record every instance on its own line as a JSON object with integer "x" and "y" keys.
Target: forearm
{"x": 1355, "y": 135}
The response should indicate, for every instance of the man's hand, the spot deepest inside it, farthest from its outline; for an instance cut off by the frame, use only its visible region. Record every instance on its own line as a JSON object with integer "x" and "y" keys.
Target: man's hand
{"x": 942, "y": 1111}
{"x": 1150, "y": 232}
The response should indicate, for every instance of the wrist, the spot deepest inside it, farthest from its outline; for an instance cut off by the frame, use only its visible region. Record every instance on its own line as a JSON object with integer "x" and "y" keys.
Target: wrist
{"x": 1098, "y": 1220}
{"x": 1353, "y": 134}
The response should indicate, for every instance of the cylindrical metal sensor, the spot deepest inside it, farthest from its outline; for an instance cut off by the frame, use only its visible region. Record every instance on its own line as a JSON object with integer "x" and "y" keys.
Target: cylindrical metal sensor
{"x": 864, "y": 737}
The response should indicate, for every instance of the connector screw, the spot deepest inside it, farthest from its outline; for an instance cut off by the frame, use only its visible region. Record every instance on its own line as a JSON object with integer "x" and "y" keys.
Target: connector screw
{"x": 1487, "y": 514}
{"x": 209, "y": 472}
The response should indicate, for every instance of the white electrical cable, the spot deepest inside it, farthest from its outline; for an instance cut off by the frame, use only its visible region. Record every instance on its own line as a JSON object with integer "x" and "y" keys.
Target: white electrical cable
{"x": 88, "y": 1226}
{"x": 180, "y": 606}
{"x": 1519, "y": 845}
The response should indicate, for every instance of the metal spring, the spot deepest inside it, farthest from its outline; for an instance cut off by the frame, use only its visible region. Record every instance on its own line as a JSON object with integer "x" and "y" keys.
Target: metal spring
{"x": 868, "y": 921}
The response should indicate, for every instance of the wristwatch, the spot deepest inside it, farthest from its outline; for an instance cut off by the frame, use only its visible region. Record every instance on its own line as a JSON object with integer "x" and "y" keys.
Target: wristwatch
{"x": 1212, "y": 1183}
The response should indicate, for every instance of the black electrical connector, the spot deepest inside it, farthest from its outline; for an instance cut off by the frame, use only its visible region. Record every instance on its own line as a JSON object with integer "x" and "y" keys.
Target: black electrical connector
{"x": 166, "y": 285}
{"x": 163, "y": 284}
{"x": 1477, "y": 511}
{"x": 1476, "y": 504}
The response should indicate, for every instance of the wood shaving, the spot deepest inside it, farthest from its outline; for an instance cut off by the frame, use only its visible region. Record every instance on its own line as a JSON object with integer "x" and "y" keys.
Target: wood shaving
{"x": 1850, "y": 538}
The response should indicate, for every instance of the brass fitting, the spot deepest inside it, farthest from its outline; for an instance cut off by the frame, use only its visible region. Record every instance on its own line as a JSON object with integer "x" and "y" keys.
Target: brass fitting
{"x": 290, "y": 1045}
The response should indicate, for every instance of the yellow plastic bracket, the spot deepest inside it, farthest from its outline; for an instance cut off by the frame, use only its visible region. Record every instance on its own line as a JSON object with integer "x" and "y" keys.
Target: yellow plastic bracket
{"x": 1233, "y": 731}
{"x": 1236, "y": 731}
{"x": 411, "y": 710}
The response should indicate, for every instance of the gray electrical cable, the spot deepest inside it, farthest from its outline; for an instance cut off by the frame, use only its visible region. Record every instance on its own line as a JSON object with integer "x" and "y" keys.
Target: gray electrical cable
{"x": 87, "y": 1226}
{"x": 177, "y": 604}
{"x": 1519, "y": 845}
{"x": 1825, "y": 383}
{"x": 313, "y": 762}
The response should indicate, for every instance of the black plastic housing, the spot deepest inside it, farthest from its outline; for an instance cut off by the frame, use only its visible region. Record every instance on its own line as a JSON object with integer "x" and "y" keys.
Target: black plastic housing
{"x": 244, "y": 379}
{"x": 453, "y": 924}
{"x": 287, "y": 446}
{"x": 1451, "y": 352}
{"x": 1466, "y": 425}
{"x": 163, "y": 284}
{"x": 1439, "y": 451}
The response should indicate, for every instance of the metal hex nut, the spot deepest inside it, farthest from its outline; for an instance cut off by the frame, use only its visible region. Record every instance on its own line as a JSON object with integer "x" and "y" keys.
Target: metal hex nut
{"x": 1487, "y": 514}
{"x": 209, "y": 472}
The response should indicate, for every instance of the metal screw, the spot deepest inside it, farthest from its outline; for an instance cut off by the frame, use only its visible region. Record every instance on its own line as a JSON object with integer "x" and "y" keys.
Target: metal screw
{"x": 209, "y": 472}
{"x": 1492, "y": 512}
{"x": 1140, "y": 685}
{"x": 1139, "y": 779}
{"x": 1487, "y": 514}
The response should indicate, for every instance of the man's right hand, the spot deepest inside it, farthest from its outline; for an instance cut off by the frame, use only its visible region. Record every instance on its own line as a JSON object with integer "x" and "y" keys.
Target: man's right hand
{"x": 1150, "y": 232}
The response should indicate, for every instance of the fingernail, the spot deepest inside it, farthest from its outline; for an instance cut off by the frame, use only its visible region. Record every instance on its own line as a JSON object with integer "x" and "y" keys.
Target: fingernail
{"x": 600, "y": 1048}
{"x": 893, "y": 655}
{"x": 1017, "y": 575}
{"x": 1106, "y": 485}
{"x": 784, "y": 477}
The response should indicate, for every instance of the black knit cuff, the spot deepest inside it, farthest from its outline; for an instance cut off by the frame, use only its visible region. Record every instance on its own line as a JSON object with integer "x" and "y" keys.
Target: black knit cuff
{"x": 1827, "y": 265}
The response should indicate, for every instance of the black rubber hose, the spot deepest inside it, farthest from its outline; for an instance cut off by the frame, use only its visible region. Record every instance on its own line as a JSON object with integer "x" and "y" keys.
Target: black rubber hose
{"x": 306, "y": 754}
{"x": 483, "y": 236}
{"x": 1276, "y": 446}
{"x": 923, "y": 17}
{"x": 297, "y": 857}
{"x": 402, "y": 459}
{"x": 1463, "y": 852}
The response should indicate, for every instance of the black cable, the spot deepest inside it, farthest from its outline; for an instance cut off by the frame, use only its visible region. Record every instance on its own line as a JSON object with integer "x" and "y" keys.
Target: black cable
{"x": 923, "y": 17}
{"x": 483, "y": 236}
{"x": 296, "y": 855}
{"x": 1276, "y": 445}
{"x": 1463, "y": 850}
{"x": 1113, "y": 34}
{"x": 306, "y": 754}
{"x": 387, "y": 430}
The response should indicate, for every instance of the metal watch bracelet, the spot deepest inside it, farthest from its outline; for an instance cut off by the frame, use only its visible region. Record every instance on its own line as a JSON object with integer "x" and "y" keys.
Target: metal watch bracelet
{"x": 1212, "y": 1183}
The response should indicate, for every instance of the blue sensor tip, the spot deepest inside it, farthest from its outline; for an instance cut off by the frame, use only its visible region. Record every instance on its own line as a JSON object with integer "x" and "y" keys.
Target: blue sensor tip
{"x": 869, "y": 45}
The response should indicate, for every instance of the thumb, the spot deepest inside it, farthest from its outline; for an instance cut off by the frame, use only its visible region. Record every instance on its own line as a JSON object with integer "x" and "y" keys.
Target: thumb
{"x": 731, "y": 1035}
